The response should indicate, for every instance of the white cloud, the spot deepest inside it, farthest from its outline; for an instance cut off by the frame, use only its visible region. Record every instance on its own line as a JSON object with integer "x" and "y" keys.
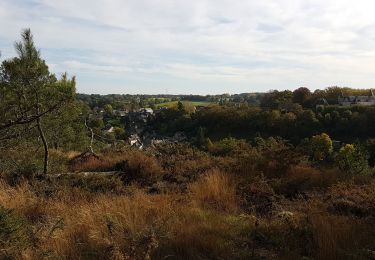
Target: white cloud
{"x": 232, "y": 45}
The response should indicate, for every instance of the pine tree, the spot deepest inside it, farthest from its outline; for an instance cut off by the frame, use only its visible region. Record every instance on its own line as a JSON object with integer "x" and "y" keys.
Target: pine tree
{"x": 29, "y": 92}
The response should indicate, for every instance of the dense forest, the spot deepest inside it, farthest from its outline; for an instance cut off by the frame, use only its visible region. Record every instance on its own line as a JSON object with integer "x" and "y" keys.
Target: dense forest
{"x": 276, "y": 175}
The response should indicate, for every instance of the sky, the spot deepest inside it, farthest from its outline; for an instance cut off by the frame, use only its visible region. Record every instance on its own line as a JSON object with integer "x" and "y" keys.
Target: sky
{"x": 198, "y": 46}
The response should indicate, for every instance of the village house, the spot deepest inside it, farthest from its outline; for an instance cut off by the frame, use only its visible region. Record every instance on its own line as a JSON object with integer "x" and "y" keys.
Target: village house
{"x": 120, "y": 113}
{"x": 357, "y": 100}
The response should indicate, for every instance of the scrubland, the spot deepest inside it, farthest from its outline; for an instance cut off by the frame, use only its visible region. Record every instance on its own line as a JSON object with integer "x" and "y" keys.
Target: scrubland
{"x": 178, "y": 202}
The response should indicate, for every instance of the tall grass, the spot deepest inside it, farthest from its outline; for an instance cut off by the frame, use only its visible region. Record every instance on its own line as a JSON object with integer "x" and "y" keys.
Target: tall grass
{"x": 215, "y": 190}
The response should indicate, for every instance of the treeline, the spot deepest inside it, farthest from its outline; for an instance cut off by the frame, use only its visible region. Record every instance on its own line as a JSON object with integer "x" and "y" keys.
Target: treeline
{"x": 295, "y": 124}
{"x": 129, "y": 102}
{"x": 307, "y": 99}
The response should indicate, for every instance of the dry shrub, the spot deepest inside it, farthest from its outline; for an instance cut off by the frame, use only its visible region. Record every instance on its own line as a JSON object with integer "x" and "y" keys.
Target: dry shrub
{"x": 257, "y": 196}
{"x": 184, "y": 161}
{"x": 88, "y": 162}
{"x": 353, "y": 199}
{"x": 302, "y": 179}
{"x": 136, "y": 165}
{"x": 95, "y": 183}
{"x": 201, "y": 234}
{"x": 288, "y": 233}
{"x": 139, "y": 167}
{"x": 341, "y": 237}
{"x": 215, "y": 190}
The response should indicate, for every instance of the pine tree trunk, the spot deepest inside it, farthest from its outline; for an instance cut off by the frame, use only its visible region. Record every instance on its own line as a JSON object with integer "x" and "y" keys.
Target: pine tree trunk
{"x": 45, "y": 144}
{"x": 92, "y": 137}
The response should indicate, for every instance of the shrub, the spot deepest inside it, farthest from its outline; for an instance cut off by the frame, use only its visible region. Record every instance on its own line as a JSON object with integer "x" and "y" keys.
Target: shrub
{"x": 228, "y": 146}
{"x": 353, "y": 199}
{"x": 137, "y": 166}
{"x": 278, "y": 156}
{"x": 24, "y": 170}
{"x": 15, "y": 234}
{"x": 351, "y": 159}
{"x": 257, "y": 196}
{"x": 338, "y": 237}
{"x": 90, "y": 162}
{"x": 302, "y": 179}
{"x": 97, "y": 183}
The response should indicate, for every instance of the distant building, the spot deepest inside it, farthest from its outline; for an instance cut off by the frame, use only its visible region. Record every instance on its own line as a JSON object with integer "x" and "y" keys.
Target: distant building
{"x": 146, "y": 110}
{"x": 357, "y": 100}
{"x": 135, "y": 140}
{"x": 109, "y": 129}
{"x": 321, "y": 103}
{"x": 120, "y": 113}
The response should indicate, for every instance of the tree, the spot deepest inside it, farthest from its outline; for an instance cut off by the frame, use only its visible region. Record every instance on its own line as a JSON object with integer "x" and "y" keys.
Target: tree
{"x": 119, "y": 133}
{"x": 108, "y": 109}
{"x": 29, "y": 92}
{"x": 65, "y": 128}
{"x": 180, "y": 106}
{"x": 351, "y": 159}
{"x": 301, "y": 95}
{"x": 277, "y": 99}
{"x": 321, "y": 146}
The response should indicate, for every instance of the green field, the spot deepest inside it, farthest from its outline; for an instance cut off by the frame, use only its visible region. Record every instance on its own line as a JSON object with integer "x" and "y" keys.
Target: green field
{"x": 192, "y": 103}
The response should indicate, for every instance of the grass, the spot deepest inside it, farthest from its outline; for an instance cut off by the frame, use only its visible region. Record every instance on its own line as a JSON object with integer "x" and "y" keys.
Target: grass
{"x": 208, "y": 209}
{"x": 215, "y": 190}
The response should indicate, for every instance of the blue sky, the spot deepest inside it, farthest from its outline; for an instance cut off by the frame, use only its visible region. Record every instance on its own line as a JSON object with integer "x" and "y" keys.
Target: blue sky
{"x": 199, "y": 46}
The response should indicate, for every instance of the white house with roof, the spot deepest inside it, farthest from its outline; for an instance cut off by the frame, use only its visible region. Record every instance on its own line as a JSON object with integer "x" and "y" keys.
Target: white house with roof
{"x": 357, "y": 100}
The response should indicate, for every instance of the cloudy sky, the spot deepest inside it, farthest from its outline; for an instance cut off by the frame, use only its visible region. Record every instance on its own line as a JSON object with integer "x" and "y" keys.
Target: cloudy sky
{"x": 199, "y": 46}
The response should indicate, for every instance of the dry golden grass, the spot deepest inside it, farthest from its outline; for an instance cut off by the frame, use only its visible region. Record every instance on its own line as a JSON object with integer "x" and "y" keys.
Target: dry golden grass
{"x": 74, "y": 225}
{"x": 338, "y": 237}
{"x": 215, "y": 190}
{"x": 91, "y": 163}
{"x": 136, "y": 164}
{"x": 84, "y": 218}
{"x": 78, "y": 227}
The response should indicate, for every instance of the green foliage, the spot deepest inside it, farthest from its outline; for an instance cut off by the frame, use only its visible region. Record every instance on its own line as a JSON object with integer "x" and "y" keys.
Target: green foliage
{"x": 320, "y": 147}
{"x": 228, "y": 146}
{"x": 15, "y": 234}
{"x": 119, "y": 133}
{"x": 351, "y": 159}
{"x": 108, "y": 109}
{"x": 65, "y": 128}
{"x": 29, "y": 93}
{"x": 277, "y": 99}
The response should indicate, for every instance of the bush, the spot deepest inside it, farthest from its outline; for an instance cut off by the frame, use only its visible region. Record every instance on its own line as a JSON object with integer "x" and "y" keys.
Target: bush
{"x": 353, "y": 199}
{"x": 302, "y": 179}
{"x": 228, "y": 146}
{"x": 137, "y": 166}
{"x": 352, "y": 159}
{"x": 278, "y": 156}
{"x": 15, "y": 234}
{"x": 257, "y": 196}
{"x": 24, "y": 170}
{"x": 97, "y": 183}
